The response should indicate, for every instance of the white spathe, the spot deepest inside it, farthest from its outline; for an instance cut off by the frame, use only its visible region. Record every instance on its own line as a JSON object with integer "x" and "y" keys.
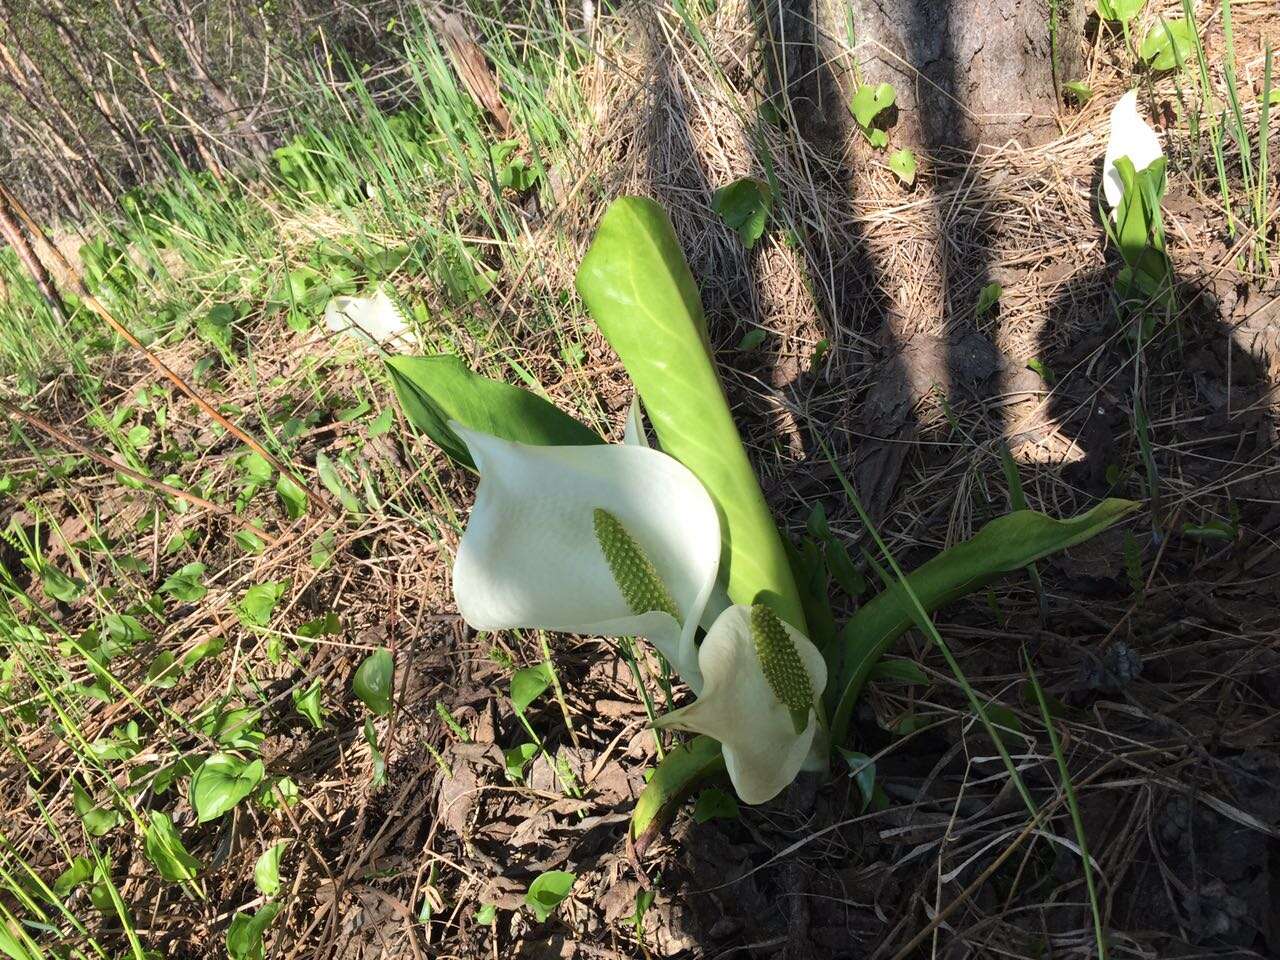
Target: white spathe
{"x": 375, "y": 321}
{"x": 1132, "y": 137}
{"x": 737, "y": 706}
{"x": 529, "y": 556}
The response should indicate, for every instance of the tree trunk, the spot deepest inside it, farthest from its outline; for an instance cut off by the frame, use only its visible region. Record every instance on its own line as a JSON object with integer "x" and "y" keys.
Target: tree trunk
{"x": 966, "y": 72}
{"x": 970, "y": 72}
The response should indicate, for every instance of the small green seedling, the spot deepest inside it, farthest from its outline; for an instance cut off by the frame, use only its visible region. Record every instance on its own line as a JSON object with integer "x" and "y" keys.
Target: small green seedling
{"x": 1168, "y": 44}
{"x": 988, "y": 297}
{"x": 903, "y": 163}
{"x": 548, "y": 891}
{"x": 744, "y": 206}
{"x": 372, "y": 683}
{"x": 869, "y": 104}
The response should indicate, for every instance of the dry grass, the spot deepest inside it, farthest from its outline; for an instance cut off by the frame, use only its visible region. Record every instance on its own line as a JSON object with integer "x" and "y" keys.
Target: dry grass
{"x": 1177, "y": 769}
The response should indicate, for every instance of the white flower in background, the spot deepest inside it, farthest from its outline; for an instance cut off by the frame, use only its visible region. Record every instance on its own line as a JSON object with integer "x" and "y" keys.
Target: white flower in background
{"x": 1132, "y": 137}
{"x": 606, "y": 540}
{"x": 375, "y": 321}
{"x": 761, "y": 682}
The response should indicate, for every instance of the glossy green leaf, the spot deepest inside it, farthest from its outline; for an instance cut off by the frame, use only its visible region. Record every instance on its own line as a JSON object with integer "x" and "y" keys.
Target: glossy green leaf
{"x": 434, "y": 390}
{"x": 266, "y": 870}
{"x": 125, "y": 629}
{"x": 517, "y": 758}
{"x": 528, "y": 684}
{"x": 292, "y": 496}
{"x": 744, "y": 206}
{"x": 307, "y": 702}
{"x": 161, "y": 673}
{"x": 903, "y": 163}
{"x": 683, "y": 768}
{"x": 322, "y": 550}
{"x": 58, "y": 586}
{"x": 327, "y": 626}
{"x": 372, "y": 683}
{"x": 870, "y": 100}
{"x": 203, "y": 651}
{"x": 988, "y": 297}
{"x": 250, "y": 542}
{"x": 713, "y": 804}
{"x": 244, "y": 935}
{"x": 186, "y": 584}
{"x": 636, "y": 284}
{"x": 164, "y": 849}
{"x": 1002, "y": 546}
{"x": 1121, "y": 10}
{"x": 97, "y": 820}
{"x": 548, "y": 891}
{"x": 1082, "y": 92}
{"x": 80, "y": 870}
{"x": 123, "y": 742}
{"x": 333, "y": 482}
{"x": 259, "y": 602}
{"x": 1168, "y": 44}
{"x": 277, "y": 792}
{"x": 237, "y": 729}
{"x": 221, "y": 782}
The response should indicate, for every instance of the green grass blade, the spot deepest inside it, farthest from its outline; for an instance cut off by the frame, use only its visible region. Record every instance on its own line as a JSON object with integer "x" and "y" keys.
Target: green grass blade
{"x": 1074, "y": 806}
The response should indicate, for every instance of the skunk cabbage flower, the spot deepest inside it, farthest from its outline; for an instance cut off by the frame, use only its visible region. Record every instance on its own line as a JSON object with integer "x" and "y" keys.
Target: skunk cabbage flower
{"x": 375, "y": 321}
{"x": 1131, "y": 137}
{"x": 762, "y": 680}
{"x": 607, "y": 540}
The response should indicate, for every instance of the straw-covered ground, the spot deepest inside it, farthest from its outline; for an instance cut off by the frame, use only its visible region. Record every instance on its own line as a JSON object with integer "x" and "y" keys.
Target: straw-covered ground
{"x": 1156, "y": 643}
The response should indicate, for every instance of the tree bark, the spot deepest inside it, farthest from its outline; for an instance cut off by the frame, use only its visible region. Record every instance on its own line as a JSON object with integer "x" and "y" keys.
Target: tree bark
{"x": 970, "y": 72}
{"x": 966, "y": 72}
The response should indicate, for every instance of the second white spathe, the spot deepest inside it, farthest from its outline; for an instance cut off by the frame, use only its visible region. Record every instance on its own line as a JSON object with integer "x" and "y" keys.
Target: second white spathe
{"x": 1130, "y": 136}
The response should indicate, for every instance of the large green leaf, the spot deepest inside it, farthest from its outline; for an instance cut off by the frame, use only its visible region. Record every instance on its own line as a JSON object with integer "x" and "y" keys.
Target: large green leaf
{"x": 1005, "y": 544}
{"x": 435, "y": 390}
{"x": 636, "y": 284}
{"x": 679, "y": 772}
{"x": 221, "y": 782}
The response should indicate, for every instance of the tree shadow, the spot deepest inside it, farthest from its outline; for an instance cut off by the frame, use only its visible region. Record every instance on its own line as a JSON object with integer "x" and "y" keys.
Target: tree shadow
{"x": 1217, "y": 436}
